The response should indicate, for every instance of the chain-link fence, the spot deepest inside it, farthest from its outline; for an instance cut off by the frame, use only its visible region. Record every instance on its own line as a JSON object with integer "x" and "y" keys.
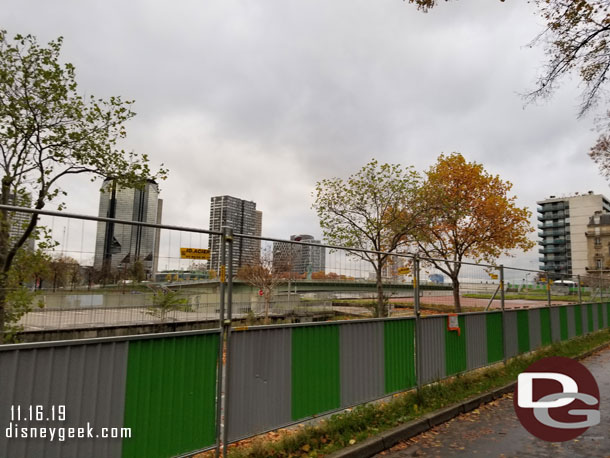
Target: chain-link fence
{"x": 406, "y": 321}
{"x": 88, "y": 272}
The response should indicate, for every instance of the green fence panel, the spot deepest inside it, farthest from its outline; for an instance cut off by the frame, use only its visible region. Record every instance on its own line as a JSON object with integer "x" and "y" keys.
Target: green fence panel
{"x": 495, "y": 344}
{"x": 590, "y": 317}
{"x": 600, "y": 316}
{"x": 399, "y": 354}
{"x": 455, "y": 349}
{"x": 170, "y": 395}
{"x": 316, "y": 386}
{"x": 545, "y": 326}
{"x": 563, "y": 323}
{"x": 523, "y": 331}
{"x": 578, "y": 319}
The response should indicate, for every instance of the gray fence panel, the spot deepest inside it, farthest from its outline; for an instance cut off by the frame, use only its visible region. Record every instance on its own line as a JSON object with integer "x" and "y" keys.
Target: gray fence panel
{"x": 88, "y": 379}
{"x": 433, "y": 349}
{"x": 595, "y": 317}
{"x": 555, "y": 325}
{"x": 476, "y": 341}
{"x": 510, "y": 331}
{"x": 571, "y": 322}
{"x": 260, "y": 371}
{"x": 534, "y": 329}
{"x": 362, "y": 362}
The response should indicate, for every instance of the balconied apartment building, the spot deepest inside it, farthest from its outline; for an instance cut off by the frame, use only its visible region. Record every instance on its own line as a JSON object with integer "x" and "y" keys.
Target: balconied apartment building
{"x": 241, "y": 216}
{"x": 563, "y": 226}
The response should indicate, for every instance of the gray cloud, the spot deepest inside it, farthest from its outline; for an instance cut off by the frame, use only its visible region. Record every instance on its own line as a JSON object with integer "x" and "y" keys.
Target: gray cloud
{"x": 262, "y": 99}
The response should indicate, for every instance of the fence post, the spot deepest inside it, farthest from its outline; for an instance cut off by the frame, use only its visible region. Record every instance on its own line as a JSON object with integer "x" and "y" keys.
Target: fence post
{"x": 417, "y": 322}
{"x": 503, "y": 311}
{"x": 221, "y": 316}
{"x": 579, "y": 291}
{"x": 548, "y": 294}
{"x": 229, "y": 238}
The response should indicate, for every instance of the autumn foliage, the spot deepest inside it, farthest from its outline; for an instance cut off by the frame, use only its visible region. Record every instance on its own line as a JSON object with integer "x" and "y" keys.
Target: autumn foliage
{"x": 471, "y": 215}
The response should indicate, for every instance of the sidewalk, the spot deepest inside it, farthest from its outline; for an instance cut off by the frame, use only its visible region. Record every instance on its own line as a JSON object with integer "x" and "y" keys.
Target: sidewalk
{"x": 494, "y": 431}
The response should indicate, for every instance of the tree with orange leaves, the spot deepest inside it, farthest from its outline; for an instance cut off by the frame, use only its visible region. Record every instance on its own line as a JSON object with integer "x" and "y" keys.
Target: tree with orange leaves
{"x": 471, "y": 216}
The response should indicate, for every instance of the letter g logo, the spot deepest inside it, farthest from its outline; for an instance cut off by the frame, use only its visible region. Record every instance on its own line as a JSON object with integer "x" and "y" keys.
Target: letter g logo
{"x": 557, "y": 399}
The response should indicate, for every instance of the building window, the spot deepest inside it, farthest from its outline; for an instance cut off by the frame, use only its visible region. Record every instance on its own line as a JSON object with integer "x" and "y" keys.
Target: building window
{"x": 598, "y": 264}
{"x": 598, "y": 241}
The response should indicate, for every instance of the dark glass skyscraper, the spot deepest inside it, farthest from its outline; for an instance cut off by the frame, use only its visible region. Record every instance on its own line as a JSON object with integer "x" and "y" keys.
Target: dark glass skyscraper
{"x": 119, "y": 246}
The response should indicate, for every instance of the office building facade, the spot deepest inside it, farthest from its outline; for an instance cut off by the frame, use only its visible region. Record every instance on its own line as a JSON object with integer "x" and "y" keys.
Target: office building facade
{"x": 120, "y": 246}
{"x": 563, "y": 228}
{"x": 299, "y": 259}
{"x": 241, "y": 216}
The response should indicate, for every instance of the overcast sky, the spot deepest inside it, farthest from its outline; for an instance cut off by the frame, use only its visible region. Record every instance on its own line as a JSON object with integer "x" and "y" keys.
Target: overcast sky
{"x": 261, "y": 99}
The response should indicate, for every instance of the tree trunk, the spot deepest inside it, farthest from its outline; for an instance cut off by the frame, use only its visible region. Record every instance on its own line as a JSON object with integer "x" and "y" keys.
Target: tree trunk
{"x": 380, "y": 309}
{"x": 456, "y": 295}
{"x": 2, "y": 307}
{"x": 4, "y": 249}
{"x": 266, "y": 321}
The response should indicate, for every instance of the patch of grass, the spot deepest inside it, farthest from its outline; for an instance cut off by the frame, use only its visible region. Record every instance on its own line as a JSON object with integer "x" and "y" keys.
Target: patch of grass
{"x": 355, "y": 425}
{"x": 354, "y": 302}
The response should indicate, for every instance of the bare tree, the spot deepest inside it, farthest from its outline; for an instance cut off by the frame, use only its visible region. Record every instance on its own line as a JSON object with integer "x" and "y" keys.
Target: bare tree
{"x": 265, "y": 277}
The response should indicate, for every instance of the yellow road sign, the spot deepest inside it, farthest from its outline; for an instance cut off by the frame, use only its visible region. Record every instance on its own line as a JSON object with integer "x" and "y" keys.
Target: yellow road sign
{"x": 194, "y": 253}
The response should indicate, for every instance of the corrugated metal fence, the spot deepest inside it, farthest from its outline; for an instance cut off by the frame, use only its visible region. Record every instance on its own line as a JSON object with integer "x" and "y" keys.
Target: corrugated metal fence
{"x": 163, "y": 387}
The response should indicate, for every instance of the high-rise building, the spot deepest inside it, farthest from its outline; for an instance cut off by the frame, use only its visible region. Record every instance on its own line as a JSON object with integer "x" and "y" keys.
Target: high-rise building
{"x": 299, "y": 259}
{"x": 120, "y": 246}
{"x": 241, "y": 216}
{"x": 563, "y": 225}
{"x": 19, "y": 221}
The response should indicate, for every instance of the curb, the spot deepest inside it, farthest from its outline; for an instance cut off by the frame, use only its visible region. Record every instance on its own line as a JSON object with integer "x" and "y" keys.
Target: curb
{"x": 391, "y": 437}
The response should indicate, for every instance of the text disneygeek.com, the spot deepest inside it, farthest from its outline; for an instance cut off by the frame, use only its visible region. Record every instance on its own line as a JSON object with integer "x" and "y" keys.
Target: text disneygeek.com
{"x": 23, "y": 418}
{"x": 61, "y": 433}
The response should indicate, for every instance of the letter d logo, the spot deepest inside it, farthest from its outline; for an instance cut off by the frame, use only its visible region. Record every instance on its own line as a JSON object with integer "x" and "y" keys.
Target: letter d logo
{"x": 526, "y": 379}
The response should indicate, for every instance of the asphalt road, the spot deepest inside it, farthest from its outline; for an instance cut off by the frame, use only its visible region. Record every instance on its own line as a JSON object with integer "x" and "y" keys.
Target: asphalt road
{"x": 493, "y": 430}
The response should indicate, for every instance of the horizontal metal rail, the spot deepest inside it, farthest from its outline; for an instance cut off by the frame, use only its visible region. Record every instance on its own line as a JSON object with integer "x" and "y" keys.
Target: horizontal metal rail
{"x": 106, "y": 220}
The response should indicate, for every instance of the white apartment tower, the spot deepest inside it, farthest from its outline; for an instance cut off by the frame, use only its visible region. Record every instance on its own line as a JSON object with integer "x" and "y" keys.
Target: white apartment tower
{"x": 563, "y": 227}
